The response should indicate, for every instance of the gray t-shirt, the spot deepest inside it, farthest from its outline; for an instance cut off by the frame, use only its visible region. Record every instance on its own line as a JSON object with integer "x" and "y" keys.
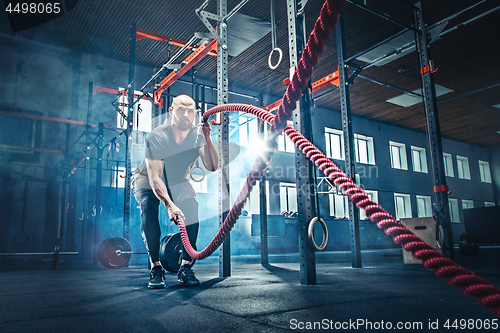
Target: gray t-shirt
{"x": 160, "y": 145}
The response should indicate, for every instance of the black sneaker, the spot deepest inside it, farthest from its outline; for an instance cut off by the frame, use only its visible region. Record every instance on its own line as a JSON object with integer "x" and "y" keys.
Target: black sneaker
{"x": 157, "y": 278}
{"x": 186, "y": 276}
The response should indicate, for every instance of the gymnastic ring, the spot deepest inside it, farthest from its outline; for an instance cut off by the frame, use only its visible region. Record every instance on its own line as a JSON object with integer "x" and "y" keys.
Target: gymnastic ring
{"x": 21, "y": 238}
{"x": 441, "y": 239}
{"x": 279, "y": 60}
{"x": 191, "y": 174}
{"x": 310, "y": 233}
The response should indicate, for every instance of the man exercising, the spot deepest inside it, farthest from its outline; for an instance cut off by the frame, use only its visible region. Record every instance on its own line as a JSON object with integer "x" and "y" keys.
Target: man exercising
{"x": 162, "y": 177}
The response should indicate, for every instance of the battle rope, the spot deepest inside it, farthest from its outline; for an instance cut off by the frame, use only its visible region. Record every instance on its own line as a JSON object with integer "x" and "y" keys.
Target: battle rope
{"x": 471, "y": 285}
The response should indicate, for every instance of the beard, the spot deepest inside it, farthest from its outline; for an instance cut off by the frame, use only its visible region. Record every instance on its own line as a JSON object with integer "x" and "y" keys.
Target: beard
{"x": 183, "y": 125}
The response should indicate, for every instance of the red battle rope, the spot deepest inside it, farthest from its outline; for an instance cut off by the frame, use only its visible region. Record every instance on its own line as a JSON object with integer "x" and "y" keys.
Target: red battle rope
{"x": 471, "y": 285}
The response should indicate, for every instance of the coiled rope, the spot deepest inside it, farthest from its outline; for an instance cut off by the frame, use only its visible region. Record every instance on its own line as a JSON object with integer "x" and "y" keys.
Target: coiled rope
{"x": 470, "y": 284}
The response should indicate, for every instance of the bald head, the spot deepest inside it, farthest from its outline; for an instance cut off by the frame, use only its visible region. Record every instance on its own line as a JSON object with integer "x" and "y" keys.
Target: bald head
{"x": 183, "y": 101}
{"x": 183, "y": 111}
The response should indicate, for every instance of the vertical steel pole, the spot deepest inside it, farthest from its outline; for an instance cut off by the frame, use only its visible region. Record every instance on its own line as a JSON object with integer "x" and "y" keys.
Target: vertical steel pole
{"x": 434, "y": 134}
{"x": 64, "y": 191}
{"x": 264, "y": 250}
{"x": 223, "y": 137}
{"x": 349, "y": 151}
{"x": 98, "y": 187}
{"x": 128, "y": 133}
{"x": 304, "y": 175}
{"x": 86, "y": 186}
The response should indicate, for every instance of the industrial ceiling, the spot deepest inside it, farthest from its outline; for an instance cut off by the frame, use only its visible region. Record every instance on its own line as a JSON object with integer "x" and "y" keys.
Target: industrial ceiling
{"x": 466, "y": 52}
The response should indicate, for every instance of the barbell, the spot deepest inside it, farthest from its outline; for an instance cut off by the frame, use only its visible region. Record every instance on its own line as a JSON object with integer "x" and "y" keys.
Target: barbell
{"x": 55, "y": 254}
{"x": 116, "y": 252}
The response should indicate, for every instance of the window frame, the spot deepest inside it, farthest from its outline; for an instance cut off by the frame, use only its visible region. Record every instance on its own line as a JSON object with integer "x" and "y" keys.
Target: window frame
{"x": 374, "y": 197}
{"x": 328, "y": 143}
{"x": 285, "y": 144}
{"x": 334, "y": 198}
{"x": 401, "y": 147}
{"x": 289, "y": 196}
{"x": 468, "y": 203}
{"x": 448, "y": 165}
{"x": 370, "y": 153}
{"x": 145, "y": 116}
{"x": 406, "y": 206}
{"x": 454, "y": 212}
{"x": 427, "y": 206}
{"x": 422, "y": 158}
{"x": 463, "y": 167}
{"x": 484, "y": 171}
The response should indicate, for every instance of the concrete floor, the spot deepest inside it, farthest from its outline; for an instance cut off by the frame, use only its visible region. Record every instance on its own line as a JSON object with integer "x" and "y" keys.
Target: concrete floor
{"x": 253, "y": 299}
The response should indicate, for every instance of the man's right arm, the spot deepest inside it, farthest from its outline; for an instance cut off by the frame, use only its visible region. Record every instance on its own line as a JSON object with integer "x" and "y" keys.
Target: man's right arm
{"x": 155, "y": 172}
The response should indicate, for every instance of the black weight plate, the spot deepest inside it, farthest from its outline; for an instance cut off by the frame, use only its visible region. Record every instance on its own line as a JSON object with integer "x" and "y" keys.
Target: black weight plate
{"x": 21, "y": 238}
{"x": 107, "y": 252}
{"x": 163, "y": 260}
{"x": 100, "y": 253}
{"x": 468, "y": 245}
{"x": 171, "y": 252}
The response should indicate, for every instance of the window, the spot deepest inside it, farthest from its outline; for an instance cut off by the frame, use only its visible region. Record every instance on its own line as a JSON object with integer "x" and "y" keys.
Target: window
{"x": 364, "y": 149}
{"x": 252, "y": 206}
{"x": 403, "y": 205}
{"x": 398, "y": 155}
{"x": 467, "y": 204}
{"x": 284, "y": 142}
{"x": 489, "y": 204}
{"x": 334, "y": 144}
{"x": 339, "y": 205}
{"x": 142, "y": 113}
{"x": 448, "y": 165}
{"x": 419, "y": 159}
{"x": 373, "y": 196}
{"x": 288, "y": 197}
{"x": 463, "y": 167}
{"x": 424, "y": 206}
{"x": 453, "y": 203}
{"x": 484, "y": 172}
{"x": 118, "y": 177}
{"x": 247, "y": 129}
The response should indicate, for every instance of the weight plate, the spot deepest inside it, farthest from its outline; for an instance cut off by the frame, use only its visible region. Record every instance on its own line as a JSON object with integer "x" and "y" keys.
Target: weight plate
{"x": 468, "y": 245}
{"x": 21, "y": 238}
{"x": 107, "y": 252}
{"x": 171, "y": 252}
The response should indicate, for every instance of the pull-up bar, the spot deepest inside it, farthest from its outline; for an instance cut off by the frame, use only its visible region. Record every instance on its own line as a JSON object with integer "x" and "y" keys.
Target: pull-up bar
{"x": 190, "y": 62}
{"x": 141, "y": 33}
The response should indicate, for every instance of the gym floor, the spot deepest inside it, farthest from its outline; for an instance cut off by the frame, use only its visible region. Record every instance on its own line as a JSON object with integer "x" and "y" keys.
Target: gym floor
{"x": 254, "y": 299}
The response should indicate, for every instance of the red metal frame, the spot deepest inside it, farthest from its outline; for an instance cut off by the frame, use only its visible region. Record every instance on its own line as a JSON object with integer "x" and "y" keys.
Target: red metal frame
{"x": 124, "y": 92}
{"x": 190, "y": 61}
{"x": 441, "y": 188}
{"x": 43, "y": 150}
{"x": 332, "y": 78}
{"x": 57, "y": 120}
{"x": 141, "y": 33}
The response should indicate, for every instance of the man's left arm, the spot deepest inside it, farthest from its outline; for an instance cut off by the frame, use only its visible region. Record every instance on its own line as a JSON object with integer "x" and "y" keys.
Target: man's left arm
{"x": 208, "y": 153}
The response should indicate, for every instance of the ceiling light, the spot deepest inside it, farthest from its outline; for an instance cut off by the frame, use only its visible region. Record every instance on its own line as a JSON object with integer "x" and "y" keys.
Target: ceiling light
{"x": 398, "y": 46}
{"x": 406, "y": 100}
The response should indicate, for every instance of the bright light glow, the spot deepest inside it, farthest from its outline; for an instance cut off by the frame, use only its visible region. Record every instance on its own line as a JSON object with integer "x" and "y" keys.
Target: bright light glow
{"x": 257, "y": 146}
